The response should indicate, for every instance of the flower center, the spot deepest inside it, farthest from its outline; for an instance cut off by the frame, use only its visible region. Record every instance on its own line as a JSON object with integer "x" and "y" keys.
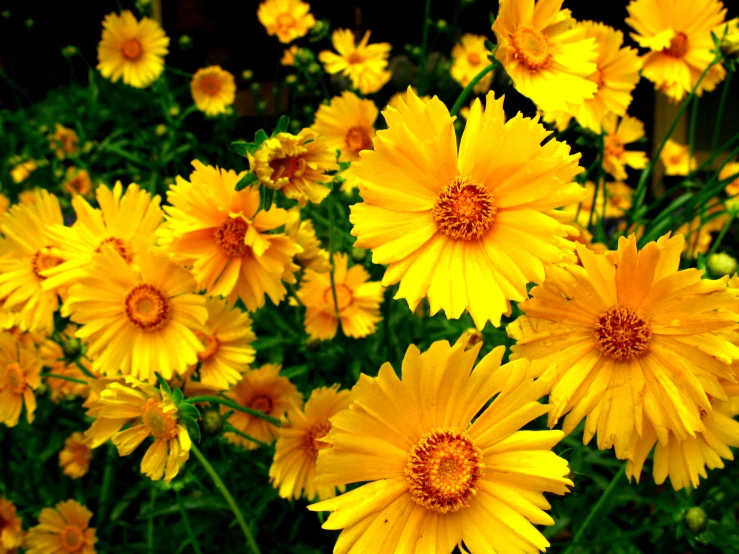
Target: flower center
{"x": 147, "y": 307}
{"x": 354, "y": 58}
{"x": 318, "y": 431}
{"x": 473, "y": 58}
{"x": 210, "y": 84}
{"x": 43, "y": 260}
{"x": 613, "y": 146}
{"x": 15, "y": 378}
{"x": 344, "y": 296}
{"x": 676, "y": 159}
{"x": 160, "y": 424}
{"x": 678, "y": 46}
{"x": 287, "y": 168}
{"x": 532, "y": 48}
{"x": 72, "y": 538}
{"x": 358, "y": 139}
{"x": 464, "y": 210}
{"x": 132, "y": 49}
{"x": 621, "y": 334}
{"x": 597, "y": 78}
{"x": 443, "y": 469}
{"x": 230, "y": 237}
{"x": 260, "y": 402}
{"x": 285, "y": 21}
{"x": 211, "y": 344}
{"x": 119, "y": 246}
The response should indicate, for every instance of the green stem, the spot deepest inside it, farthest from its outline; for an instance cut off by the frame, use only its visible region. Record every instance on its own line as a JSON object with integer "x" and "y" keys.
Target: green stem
{"x": 83, "y": 369}
{"x": 62, "y": 377}
{"x": 107, "y": 486}
{"x": 229, "y": 499}
{"x": 462, "y": 98}
{"x": 424, "y": 44}
{"x": 231, "y": 429}
{"x": 294, "y": 294}
{"x": 150, "y": 523}
{"x": 186, "y": 523}
{"x": 720, "y": 115}
{"x": 596, "y": 188}
{"x": 691, "y": 128}
{"x": 179, "y": 72}
{"x": 332, "y": 224}
{"x": 233, "y": 405}
{"x": 721, "y": 235}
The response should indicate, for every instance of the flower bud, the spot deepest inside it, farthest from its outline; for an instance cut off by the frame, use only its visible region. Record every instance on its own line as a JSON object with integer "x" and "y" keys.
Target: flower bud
{"x": 721, "y": 264}
{"x": 69, "y": 51}
{"x": 696, "y": 519}
{"x": 185, "y": 42}
{"x": 71, "y": 348}
{"x": 729, "y": 44}
{"x": 212, "y": 422}
{"x": 29, "y": 23}
{"x": 174, "y": 111}
{"x": 247, "y": 74}
{"x": 161, "y": 130}
{"x": 442, "y": 25}
{"x": 291, "y": 79}
{"x": 359, "y": 254}
{"x": 255, "y": 87}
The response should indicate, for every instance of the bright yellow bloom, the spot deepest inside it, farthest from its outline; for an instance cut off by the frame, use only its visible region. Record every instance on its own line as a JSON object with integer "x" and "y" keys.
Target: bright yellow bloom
{"x": 23, "y": 171}
{"x": 140, "y": 320}
{"x": 312, "y": 257}
{"x": 469, "y": 57}
{"x": 436, "y": 478}
{"x": 364, "y": 64}
{"x": 468, "y": 231}
{"x": 102, "y": 428}
{"x": 676, "y": 158}
{"x": 213, "y": 89}
{"x": 11, "y": 527}
{"x": 63, "y": 141}
{"x": 78, "y": 182}
{"x": 548, "y": 58}
{"x": 629, "y": 340}
{"x": 288, "y": 19}
{"x": 62, "y": 529}
{"x": 288, "y": 55}
{"x": 264, "y": 390}
{"x": 223, "y": 236}
{"x": 132, "y": 50}
{"x": 402, "y": 96}
{"x": 347, "y": 125}
{"x": 75, "y": 458}
{"x": 678, "y": 35}
{"x": 618, "y": 134}
{"x": 19, "y": 377}
{"x": 293, "y": 469}
{"x": 729, "y": 170}
{"x": 357, "y": 301}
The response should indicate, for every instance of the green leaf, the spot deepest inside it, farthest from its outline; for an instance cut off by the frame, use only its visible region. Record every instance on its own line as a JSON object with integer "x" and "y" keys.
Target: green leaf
{"x": 177, "y": 396}
{"x": 190, "y": 410}
{"x": 163, "y": 383}
{"x": 248, "y": 179}
{"x": 489, "y": 46}
{"x": 492, "y": 18}
{"x": 241, "y": 147}
{"x": 281, "y": 125}
{"x": 260, "y": 137}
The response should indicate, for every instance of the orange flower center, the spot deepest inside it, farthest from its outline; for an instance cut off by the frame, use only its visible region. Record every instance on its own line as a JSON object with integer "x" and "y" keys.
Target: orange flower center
{"x": 211, "y": 344}
{"x": 287, "y": 168}
{"x": 42, "y": 260}
{"x": 72, "y": 538}
{"x": 678, "y": 46}
{"x": 132, "y": 49}
{"x": 532, "y": 48}
{"x": 119, "y": 246}
{"x": 230, "y": 237}
{"x": 318, "y": 431}
{"x": 621, "y": 334}
{"x": 344, "y": 296}
{"x": 676, "y": 159}
{"x": 358, "y": 139}
{"x": 285, "y": 21}
{"x": 210, "y": 84}
{"x": 147, "y": 307}
{"x": 160, "y": 423}
{"x": 15, "y": 378}
{"x": 473, "y": 58}
{"x": 464, "y": 210}
{"x": 597, "y": 78}
{"x": 260, "y": 402}
{"x": 613, "y": 146}
{"x": 443, "y": 469}
{"x": 354, "y": 58}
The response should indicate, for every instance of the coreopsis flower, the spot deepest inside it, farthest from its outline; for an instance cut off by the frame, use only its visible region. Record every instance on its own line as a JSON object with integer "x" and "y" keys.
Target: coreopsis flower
{"x": 312, "y": 257}
{"x": 213, "y": 89}
{"x": 676, "y": 158}
{"x": 288, "y": 55}
{"x": 356, "y": 307}
{"x": 137, "y": 320}
{"x": 63, "y": 142}
{"x": 678, "y": 36}
{"x": 731, "y": 169}
{"x": 296, "y": 165}
{"x": 23, "y": 171}
{"x": 629, "y": 340}
{"x": 264, "y": 390}
{"x": 75, "y": 458}
{"x": 28, "y": 252}
{"x": 62, "y": 529}
{"x": 469, "y": 57}
{"x": 223, "y": 236}
{"x": 11, "y": 527}
{"x": 293, "y": 469}
{"x": 347, "y": 125}
{"x": 616, "y": 76}
{"x": 102, "y": 429}
{"x": 435, "y": 475}
{"x": 132, "y": 50}
{"x": 548, "y": 57}
{"x": 482, "y": 216}
{"x": 77, "y": 182}
{"x": 364, "y": 64}
{"x": 287, "y": 19}
{"x": 619, "y": 134}
{"x": 19, "y": 377}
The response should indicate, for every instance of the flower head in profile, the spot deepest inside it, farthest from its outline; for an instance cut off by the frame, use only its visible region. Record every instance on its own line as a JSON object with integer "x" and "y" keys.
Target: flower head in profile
{"x": 77, "y": 181}
{"x": 469, "y": 57}
{"x": 676, "y": 158}
{"x": 63, "y": 141}
{"x": 102, "y": 429}
{"x": 347, "y": 125}
{"x": 364, "y": 64}
{"x": 11, "y": 527}
{"x": 23, "y": 171}
{"x": 62, "y": 529}
{"x": 435, "y": 474}
{"x": 618, "y": 135}
{"x": 301, "y": 231}
{"x": 483, "y": 215}
{"x": 287, "y": 19}
{"x": 627, "y": 341}
{"x": 132, "y": 50}
{"x": 293, "y": 469}
{"x": 75, "y": 458}
{"x": 213, "y": 89}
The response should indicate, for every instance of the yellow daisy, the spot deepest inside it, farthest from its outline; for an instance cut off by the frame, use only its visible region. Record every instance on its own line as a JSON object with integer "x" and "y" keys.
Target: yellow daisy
{"x": 102, "y": 429}
{"x": 75, "y": 458}
{"x": 364, "y": 64}
{"x": 140, "y": 320}
{"x": 629, "y": 340}
{"x": 62, "y": 529}
{"x": 678, "y": 35}
{"x": 729, "y": 170}
{"x": 264, "y": 390}
{"x": 293, "y": 469}
{"x": 347, "y": 125}
{"x": 11, "y": 527}
{"x": 402, "y": 96}
{"x": 436, "y": 479}
{"x": 78, "y": 182}
{"x": 468, "y": 231}
{"x": 469, "y": 57}
{"x": 63, "y": 142}
{"x": 19, "y": 377}
{"x": 698, "y": 237}
{"x": 312, "y": 257}
{"x": 23, "y": 171}
{"x": 213, "y": 89}
{"x": 618, "y": 134}
{"x": 224, "y": 237}
{"x": 676, "y": 158}
{"x": 288, "y": 19}
{"x": 132, "y": 50}
{"x": 548, "y": 58}
{"x": 288, "y": 55}
{"x": 357, "y": 305}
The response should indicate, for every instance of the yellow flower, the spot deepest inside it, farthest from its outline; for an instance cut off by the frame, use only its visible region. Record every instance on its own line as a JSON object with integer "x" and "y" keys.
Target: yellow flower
{"x": 678, "y": 36}
{"x": 11, "y": 527}
{"x": 364, "y": 64}
{"x": 78, "y": 182}
{"x": 402, "y": 96}
{"x": 469, "y": 57}
{"x": 729, "y": 170}
{"x": 264, "y": 390}
{"x": 213, "y": 89}
{"x": 295, "y": 165}
{"x": 23, "y": 171}
{"x": 629, "y": 340}
{"x": 28, "y": 253}
{"x": 357, "y": 301}
{"x": 62, "y": 529}
{"x": 312, "y": 257}
{"x": 4, "y": 204}
{"x": 288, "y": 19}
{"x": 548, "y": 58}
{"x": 618, "y": 134}
{"x": 139, "y": 320}
{"x": 468, "y": 231}
{"x": 288, "y": 55}
{"x": 102, "y": 428}
{"x": 132, "y": 50}
{"x": 63, "y": 141}
{"x": 19, "y": 377}
{"x": 616, "y": 76}
{"x": 293, "y": 469}
{"x": 558, "y": 118}
{"x": 436, "y": 478}
{"x": 347, "y": 125}
{"x": 676, "y": 158}
{"x": 75, "y": 458}
{"x": 223, "y": 236}
{"x": 28, "y": 197}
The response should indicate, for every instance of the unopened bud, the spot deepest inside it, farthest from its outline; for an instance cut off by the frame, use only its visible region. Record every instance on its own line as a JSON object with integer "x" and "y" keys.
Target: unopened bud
{"x": 161, "y": 130}
{"x": 291, "y": 79}
{"x": 185, "y": 42}
{"x": 247, "y": 74}
{"x": 359, "y": 254}
{"x": 174, "y": 111}
{"x": 721, "y": 264}
{"x": 729, "y": 44}
{"x": 696, "y": 519}
{"x": 212, "y": 422}
{"x": 71, "y": 348}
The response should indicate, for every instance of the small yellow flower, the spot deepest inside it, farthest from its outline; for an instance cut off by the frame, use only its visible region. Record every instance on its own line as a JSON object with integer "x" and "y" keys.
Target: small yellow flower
{"x": 676, "y": 158}
{"x": 62, "y": 529}
{"x": 75, "y": 458}
{"x": 213, "y": 89}
{"x": 11, "y": 527}
{"x": 698, "y": 237}
{"x": 364, "y": 64}
{"x": 312, "y": 257}
{"x": 19, "y": 377}
{"x": 78, "y": 182}
{"x": 23, "y": 171}
{"x": 618, "y": 134}
{"x": 63, "y": 142}
{"x": 469, "y": 58}
{"x": 729, "y": 170}
{"x": 347, "y": 125}
{"x": 288, "y": 19}
{"x": 288, "y": 56}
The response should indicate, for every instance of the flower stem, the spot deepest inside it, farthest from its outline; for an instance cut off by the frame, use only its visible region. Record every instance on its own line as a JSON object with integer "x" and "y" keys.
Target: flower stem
{"x": 424, "y": 45}
{"x": 231, "y": 404}
{"x": 721, "y": 235}
{"x": 150, "y": 523}
{"x": 62, "y": 377}
{"x": 107, "y": 486}
{"x": 720, "y": 115}
{"x": 83, "y": 369}
{"x": 231, "y": 429}
{"x": 462, "y": 98}
{"x": 332, "y": 224}
{"x": 691, "y": 129}
{"x": 186, "y": 523}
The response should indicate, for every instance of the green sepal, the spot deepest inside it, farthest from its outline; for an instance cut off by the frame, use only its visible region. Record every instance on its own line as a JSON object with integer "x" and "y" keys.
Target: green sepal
{"x": 241, "y": 147}
{"x": 190, "y": 410}
{"x": 177, "y": 396}
{"x": 489, "y": 46}
{"x": 248, "y": 179}
{"x": 259, "y": 138}
{"x": 281, "y": 125}
{"x": 162, "y": 383}
{"x": 192, "y": 427}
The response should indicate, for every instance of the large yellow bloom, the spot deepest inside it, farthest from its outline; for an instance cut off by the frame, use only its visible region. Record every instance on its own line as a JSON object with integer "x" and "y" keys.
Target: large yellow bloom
{"x": 140, "y": 320}
{"x": 676, "y": 158}
{"x": 223, "y": 236}
{"x": 312, "y": 257}
{"x": 75, "y": 458}
{"x": 628, "y": 341}
{"x": 547, "y": 56}
{"x": 364, "y": 64}
{"x": 293, "y": 469}
{"x": 678, "y": 35}
{"x": 347, "y": 125}
{"x": 469, "y": 57}
{"x": 618, "y": 134}
{"x": 213, "y": 89}
{"x": 62, "y": 529}
{"x": 437, "y": 478}
{"x": 11, "y": 527}
{"x": 468, "y": 231}
{"x": 132, "y": 50}
{"x": 288, "y": 19}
